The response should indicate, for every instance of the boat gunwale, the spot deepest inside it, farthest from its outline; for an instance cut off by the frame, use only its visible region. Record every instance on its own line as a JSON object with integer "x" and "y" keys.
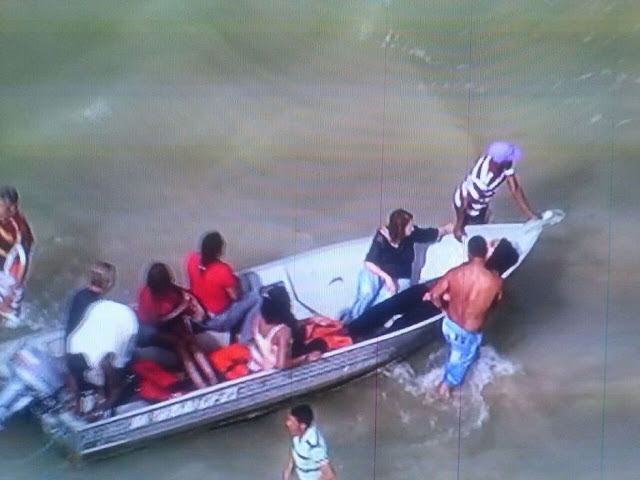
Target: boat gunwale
{"x": 248, "y": 378}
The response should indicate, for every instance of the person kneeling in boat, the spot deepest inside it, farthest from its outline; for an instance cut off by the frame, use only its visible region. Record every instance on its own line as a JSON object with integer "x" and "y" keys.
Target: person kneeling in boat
{"x": 216, "y": 286}
{"x": 471, "y": 198}
{"x": 387, "y": 266}
{"x": 466, "y": 294}
{"x": 16, "y": 241}
{"x": 167, "y": 314}
{"x": 100, "y": 348}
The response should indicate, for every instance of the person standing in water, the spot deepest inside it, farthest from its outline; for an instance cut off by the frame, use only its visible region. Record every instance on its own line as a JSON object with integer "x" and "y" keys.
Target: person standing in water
{"x": 471, "y": 198}
{"x": 309, "y": 450}
{"x": 466, "y": 294}
{"x": 16, "y": 240}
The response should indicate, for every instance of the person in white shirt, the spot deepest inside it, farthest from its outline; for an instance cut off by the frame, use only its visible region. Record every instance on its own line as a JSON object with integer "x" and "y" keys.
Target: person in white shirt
{"x": 309, "y": 451}
{"x": 102, "y": 345}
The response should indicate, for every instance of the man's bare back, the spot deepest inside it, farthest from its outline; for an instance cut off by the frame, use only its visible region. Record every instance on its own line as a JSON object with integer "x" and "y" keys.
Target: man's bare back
{"x": 467, "y": 293}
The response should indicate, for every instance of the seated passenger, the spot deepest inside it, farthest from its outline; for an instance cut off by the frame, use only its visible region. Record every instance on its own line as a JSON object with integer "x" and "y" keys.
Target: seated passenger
{"x": 166, "y": 312}
{"x": 410, "y": 305}
{"x": 100, "y": 348}
{"x": 387, "y": 266}
{"x": 215, "y": 285}
{"x": 272, "y": 344}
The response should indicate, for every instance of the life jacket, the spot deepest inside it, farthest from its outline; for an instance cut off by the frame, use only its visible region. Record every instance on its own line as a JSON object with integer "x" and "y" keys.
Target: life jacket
{"x": 328, "y": 330}
{"x": 232, "y": 361}
{"x": 155, "y": 383}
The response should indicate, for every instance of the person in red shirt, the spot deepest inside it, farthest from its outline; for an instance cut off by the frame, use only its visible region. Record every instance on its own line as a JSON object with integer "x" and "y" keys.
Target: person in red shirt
{"x": 16, "y": 240}
{"x": 214, "y": 283}
{"x": 166, "y": 312}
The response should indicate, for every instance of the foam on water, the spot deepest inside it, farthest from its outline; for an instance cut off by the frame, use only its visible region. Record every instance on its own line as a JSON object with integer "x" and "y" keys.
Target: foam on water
{"x": 467, "y": 410}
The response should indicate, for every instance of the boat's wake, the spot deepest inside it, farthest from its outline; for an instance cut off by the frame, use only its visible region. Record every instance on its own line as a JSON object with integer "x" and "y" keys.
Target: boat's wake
{"x": 467, "y": 410}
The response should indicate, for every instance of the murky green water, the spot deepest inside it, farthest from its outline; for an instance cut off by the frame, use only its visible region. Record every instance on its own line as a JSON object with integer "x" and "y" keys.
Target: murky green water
{"x": 130, "y": 128}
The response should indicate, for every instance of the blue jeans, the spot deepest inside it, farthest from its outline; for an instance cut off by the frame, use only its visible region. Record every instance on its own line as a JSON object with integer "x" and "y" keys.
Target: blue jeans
{"x": 370, "y": 291}
{"x": 239, "y": 316}
{"x": 464, "y": 350}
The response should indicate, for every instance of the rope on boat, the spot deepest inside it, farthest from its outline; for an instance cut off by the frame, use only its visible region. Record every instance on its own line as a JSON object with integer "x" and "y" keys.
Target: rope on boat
{"x": 295, "y": 296}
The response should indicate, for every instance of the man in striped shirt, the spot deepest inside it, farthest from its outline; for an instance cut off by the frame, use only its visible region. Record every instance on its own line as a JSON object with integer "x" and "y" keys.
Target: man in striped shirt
{"x": 309, "y": 450}
{"x": 471, "y": 198}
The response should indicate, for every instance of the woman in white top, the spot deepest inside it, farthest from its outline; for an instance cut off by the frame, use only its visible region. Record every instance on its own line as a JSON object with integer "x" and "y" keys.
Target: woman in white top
{"x": 273, "y": 339}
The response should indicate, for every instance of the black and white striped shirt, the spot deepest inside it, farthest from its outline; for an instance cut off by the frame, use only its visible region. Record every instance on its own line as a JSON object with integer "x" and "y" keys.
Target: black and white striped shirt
{"x": 481, "y": 184}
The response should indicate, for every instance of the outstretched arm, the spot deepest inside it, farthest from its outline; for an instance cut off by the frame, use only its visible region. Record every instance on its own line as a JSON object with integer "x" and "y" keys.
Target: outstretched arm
{"x": 437, "y": 292}
{"x": 518, "y": 194}
{"x": 458, "y": 229}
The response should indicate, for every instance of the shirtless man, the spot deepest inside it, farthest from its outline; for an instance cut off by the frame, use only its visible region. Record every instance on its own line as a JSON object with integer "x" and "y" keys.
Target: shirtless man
{"x": 465, "y": 293}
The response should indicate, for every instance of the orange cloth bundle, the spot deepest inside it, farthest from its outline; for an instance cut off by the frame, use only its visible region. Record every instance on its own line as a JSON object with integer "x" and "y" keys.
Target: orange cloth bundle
{"x": 326, "y": 329}
{"x": 155, "y": 383}
{"x": 232, "y": 361}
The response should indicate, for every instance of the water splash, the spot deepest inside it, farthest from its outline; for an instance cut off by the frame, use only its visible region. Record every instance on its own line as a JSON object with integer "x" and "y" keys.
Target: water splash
{"x": 466, "y": 411}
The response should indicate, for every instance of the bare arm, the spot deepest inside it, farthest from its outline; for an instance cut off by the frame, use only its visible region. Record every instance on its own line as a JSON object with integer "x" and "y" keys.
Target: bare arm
{"x": 285, "y": 360}
{"x": 388, "y": 281}
{"x": 458, "y": 229}
{"x": 233, "y": 293}
{"x": 286, "y": 473}
{"x": 518, "y": 194}
{"x": 327, "y": 472}
{"x": 437, "y": 292}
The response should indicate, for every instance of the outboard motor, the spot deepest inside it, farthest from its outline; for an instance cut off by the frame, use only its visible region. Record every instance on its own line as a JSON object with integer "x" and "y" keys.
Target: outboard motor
{"x": 35, "y": 375}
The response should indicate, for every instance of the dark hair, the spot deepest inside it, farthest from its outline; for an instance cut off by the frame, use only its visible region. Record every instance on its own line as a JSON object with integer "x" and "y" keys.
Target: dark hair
{"x": 303, "y": 414}
{"x": 211, "y": 248}
{"x": 159, "y": 279}
{"x": 276, "y": 307}
{"x": 9, "y": 194}
{"x": 477, "y": 247}
{"x": 102, "y": 275}
{"x": 398, "y": 221}
{"x": 504, "y": 257}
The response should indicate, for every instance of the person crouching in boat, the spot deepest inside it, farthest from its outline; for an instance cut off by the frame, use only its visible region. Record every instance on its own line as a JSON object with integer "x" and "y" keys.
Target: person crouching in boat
{"x": 166, "y": 312}
{"x": 275, "y": 337}
{"x": 471, "y": 198}
{"x": 216, "y": 286}
{"x": 466, "y": 294}
{"x": 99, "y": 350}
{"x": 308, "y": 450}
{"x": 102, "y": 277}
{"x": 387, "y": 266}
{"x": 16, "y": 240}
